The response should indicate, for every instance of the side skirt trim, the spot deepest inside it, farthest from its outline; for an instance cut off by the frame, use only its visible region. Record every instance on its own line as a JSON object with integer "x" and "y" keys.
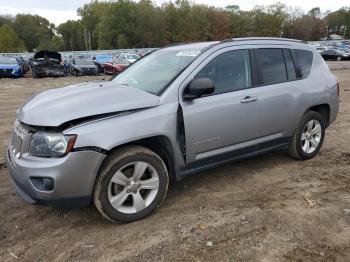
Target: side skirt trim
{"x": 239, "y": 154}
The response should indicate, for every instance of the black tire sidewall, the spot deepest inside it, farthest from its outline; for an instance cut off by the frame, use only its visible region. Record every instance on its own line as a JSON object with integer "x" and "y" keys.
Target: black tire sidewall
{"x": 163, "y": 186}
{"x": 308, "y": 117}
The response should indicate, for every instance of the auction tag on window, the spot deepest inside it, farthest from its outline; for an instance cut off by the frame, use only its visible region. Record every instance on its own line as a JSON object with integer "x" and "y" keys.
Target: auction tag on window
{"x": 188, "y": 53}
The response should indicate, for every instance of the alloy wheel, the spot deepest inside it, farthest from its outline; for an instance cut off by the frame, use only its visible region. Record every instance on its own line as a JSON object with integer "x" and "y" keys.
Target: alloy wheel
{"x": 133, "y": 187}
{"x": 311, "y": 136}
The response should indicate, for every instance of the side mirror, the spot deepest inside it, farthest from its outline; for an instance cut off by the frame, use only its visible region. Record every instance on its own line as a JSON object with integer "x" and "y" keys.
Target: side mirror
{"x": 199, "y": 87}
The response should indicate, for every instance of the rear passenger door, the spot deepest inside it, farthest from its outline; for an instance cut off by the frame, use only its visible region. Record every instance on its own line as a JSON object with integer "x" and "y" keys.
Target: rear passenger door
{"x": 277, "y": 92}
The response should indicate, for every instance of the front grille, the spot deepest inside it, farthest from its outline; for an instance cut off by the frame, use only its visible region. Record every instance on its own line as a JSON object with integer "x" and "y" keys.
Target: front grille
{"x": 5, "y": 71}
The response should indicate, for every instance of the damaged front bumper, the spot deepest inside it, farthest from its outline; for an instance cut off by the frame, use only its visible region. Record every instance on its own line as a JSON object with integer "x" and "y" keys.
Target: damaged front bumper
{"x": 62, "y": 182}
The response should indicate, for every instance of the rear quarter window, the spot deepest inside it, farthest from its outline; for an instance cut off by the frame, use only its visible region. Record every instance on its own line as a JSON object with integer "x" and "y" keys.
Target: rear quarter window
{"x": 305, "y": 61}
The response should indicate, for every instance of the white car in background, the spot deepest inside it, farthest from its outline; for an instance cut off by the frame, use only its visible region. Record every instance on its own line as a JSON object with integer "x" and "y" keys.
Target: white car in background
{"x": 130, "y": 57}
{"x": 322, "y": 48}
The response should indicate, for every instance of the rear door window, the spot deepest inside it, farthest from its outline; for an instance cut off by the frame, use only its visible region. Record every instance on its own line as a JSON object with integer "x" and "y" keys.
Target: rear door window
{"x": 271, "y": 65}
{"x": 305, "y": 61}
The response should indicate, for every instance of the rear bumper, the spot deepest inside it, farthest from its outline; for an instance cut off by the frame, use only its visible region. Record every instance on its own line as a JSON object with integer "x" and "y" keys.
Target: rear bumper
{"x": 334, "y": 110}
{"x": 73, "y": 176}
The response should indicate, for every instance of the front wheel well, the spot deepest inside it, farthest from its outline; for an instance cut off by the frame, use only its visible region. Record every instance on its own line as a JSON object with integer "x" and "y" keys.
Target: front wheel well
{"x": 324, "y": 110}
{"x": 161, "y": 145}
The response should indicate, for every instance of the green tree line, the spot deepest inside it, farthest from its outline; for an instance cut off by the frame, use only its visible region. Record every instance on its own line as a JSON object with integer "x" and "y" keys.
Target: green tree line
{"x": 129, "y": 24}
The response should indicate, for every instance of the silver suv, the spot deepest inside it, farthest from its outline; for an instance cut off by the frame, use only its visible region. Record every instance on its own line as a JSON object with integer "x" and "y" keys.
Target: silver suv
{"x": 177, "y": 111}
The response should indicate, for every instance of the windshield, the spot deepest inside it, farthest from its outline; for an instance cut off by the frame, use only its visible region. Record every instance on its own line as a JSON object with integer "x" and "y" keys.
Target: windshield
{"x": 84, "y": 62}
{"x": 7, "y": 60}
{"x": 156, "y": 70}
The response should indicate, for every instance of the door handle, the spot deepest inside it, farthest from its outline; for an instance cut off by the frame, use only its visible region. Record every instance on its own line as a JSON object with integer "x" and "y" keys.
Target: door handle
{"x": 249, "y": 99}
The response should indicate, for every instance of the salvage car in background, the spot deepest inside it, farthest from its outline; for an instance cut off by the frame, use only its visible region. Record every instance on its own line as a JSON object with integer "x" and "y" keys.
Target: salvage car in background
{"x": 83, "y": 67}
{"x": 116, "y": 66}
{"x": 121, "y": 62}
{"x": 101, "y": 59}
{"x": 130, "y": 57}
{"x": 24, "y": 65}
{"x": 112, "y": 68}
{"x": 10, "y": 67}
{"x": 99, "y": 66}
{"x": 335, "y": 54}
{"x": 47, "y": 63}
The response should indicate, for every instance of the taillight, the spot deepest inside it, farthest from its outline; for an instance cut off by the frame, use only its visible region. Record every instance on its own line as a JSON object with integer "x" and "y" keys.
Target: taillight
{"x": 338, "y": 88}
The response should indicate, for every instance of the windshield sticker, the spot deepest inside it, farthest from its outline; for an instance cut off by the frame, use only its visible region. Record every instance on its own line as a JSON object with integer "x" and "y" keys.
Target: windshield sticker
{"x": 188, "y": 53}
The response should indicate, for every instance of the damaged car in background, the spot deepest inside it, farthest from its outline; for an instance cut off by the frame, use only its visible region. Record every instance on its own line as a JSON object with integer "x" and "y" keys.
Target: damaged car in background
{"x": 83, "y": 67}
{"x": 10, "y": 67}
{"x": 47, "y": 63}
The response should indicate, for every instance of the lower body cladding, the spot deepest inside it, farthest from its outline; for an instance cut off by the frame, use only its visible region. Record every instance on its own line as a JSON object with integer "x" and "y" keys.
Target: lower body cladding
{"x": 60, "y": 182}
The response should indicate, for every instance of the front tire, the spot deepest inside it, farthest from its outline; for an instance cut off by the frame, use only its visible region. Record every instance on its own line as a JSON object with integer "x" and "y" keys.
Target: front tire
{"x": 308, "y": 136}
{"x": 131, "y": 183}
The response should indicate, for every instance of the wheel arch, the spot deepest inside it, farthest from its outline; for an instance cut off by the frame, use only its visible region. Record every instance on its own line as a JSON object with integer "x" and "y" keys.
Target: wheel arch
{"x": 324, "y": 110}
{"x": 159, "y": 144}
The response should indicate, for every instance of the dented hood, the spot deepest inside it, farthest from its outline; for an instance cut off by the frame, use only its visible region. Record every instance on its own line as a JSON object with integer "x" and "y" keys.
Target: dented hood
{"x": 54, "y": 107}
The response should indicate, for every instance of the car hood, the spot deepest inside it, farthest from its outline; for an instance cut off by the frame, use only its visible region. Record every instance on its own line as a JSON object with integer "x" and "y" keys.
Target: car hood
{"x": 54, "y": 107}
{"x": 14, "y": 66}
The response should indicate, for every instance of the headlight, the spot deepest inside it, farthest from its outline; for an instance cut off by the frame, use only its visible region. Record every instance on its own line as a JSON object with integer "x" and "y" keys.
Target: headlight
{"x": 16, "y": 69}
{"x": 51, "y": 144}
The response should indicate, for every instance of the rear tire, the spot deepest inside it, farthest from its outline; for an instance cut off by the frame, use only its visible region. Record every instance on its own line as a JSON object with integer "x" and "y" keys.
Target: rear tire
{"x": 120, "y": 194}
{"x": 339, "y": 58}
{"x": 308, "y": 136}
{"x": 34, "y": 75}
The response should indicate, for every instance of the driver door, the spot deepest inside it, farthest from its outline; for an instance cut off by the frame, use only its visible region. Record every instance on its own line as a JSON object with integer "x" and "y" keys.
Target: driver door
{"x": 217, "y": 123}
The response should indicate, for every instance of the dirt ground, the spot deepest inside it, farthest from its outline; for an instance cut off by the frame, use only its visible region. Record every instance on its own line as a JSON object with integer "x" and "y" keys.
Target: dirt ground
{"x": 268, "y": 208}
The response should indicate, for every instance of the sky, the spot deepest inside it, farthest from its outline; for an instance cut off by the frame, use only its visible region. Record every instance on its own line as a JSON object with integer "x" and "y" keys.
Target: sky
{"x": 59, "y": 11}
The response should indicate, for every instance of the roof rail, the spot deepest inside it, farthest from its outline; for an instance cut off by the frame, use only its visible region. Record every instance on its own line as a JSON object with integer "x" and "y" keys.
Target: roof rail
{"x": 262, "y": 38}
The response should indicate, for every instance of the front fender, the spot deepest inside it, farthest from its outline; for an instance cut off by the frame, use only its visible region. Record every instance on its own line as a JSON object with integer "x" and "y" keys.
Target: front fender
{"x": 114, "y": 131}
